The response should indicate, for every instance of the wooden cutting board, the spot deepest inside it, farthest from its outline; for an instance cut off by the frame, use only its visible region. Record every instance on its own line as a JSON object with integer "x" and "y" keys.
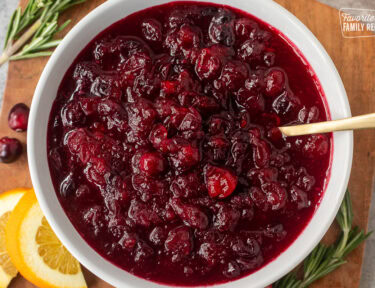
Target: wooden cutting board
{"x": 354, "y": 58}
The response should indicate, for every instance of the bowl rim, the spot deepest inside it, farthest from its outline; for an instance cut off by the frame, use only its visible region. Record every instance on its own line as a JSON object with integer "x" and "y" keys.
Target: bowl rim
{"x": 45, "y": 192}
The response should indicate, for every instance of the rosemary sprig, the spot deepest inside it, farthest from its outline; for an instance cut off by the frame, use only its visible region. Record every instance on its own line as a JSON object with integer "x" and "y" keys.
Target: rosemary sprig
{"x": 31, "y": 31}
{"x": 324, "y": 259}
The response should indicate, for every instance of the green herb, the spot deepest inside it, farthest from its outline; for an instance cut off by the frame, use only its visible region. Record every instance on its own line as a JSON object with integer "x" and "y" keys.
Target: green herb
{"x": 324, "y": 259}
{"x": 31, "y": 31}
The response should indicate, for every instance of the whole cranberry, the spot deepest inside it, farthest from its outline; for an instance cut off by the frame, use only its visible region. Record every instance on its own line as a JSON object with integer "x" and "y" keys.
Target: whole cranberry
{"x": 10, "y": 149}
{"x": 18, "y": 117}
{"x": 220, "y": 182}
{"x": 275, "y": 80}
{"x": 152, "y": 163}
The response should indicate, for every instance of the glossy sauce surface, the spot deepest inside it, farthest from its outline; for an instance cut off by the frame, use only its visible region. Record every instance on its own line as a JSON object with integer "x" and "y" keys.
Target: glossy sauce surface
{"x": 163, "y": 149}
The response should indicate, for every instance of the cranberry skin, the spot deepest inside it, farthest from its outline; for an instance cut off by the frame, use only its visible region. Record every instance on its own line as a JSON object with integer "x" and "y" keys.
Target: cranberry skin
{"x": 227, "y": 218}
{"x": 286, "y": 103}
{"x": 245, "y": 28}
{"x": 220, "y": 182}
{"x": 259, "y": 198}
{"x": 158, "y": 136}
{"x": 234, "y": 75}
{"x": 252, "y": 100}
{"x": 10, "y": 149}
{"x": 19, "y": 117}
{"x": 186, "y": 185}
{"x": 142, "y": 215}
{"x": 207, "y": 65}
{"x": 209, "y": 252}
{"x": 251, "y": 51}
{"x": 157, "y": 236}
{"x": 151, "y": 30}
{"x": 276, "y": 195}
{"x": 152, "y": 163}
{"x": 299, "y": 197}
{"x": 316, "y": 146}
{"x": 261, "y": 153}
{"x": 72, "y": 114}
{"x": 221, "y": 28}
{"x": 275, "y": 80}
{"x": 179, "y": 243}
{"x": 231, "y": 270}
{"x": 191, "y": 215}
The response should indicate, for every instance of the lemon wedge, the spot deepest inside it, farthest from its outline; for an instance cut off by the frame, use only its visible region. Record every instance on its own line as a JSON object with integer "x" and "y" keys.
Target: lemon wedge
{"x": 8, "y": 200}
{"x": 36, "y": 251}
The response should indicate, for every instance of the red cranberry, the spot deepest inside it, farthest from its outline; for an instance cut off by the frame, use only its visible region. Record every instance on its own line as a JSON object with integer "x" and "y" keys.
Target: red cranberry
{"x": 227, "y": 218}
{"x": 251, "y": 51}
{"x": 207, "y": 65}
{"x": 158, "y": 136}
{"x": 152, "y": 163}
{"x": 151, "y": 30}
{"x": 231, "y": 270}
{"x": 246, "y": 28}
{"x": 18, "y": 117}
{"x": 286, "y": 103}
{"x": 94, "y": 219}
{"x": 299, "y": 197}
{"x": 220, "y": 182}
{"x": 261, "y": 153}
{"x": 142, "y": 252}
{"x": 189, "y": 36}
{"x": 141, "y": 214}
{"x": 218, "y": 147}
{"x": 67, "y": 186}
{"x": 269, "y": 58}
{"x": 316, "y": 146}
{"x": 186, "y": 185}
{"x": 185, "y": 157}
{"x": 190, "y": 214}
{"x": 179, "y": 243}
{"x": 128, "y": 240}
{"x": 234, "y": 75}
{"x": 10, "y": 149}
{"x": 259, "y": 198}
{"x": 306, "y": 115}
{"x": 261, "y": 176}
{"x": 72, "y": 114}
{"x": 137, "y": 63}
{"x": 276, "y": 195}
{"x": 208, "y": 251}
{"x": 141, "y": 115}
{"x": 157, "y": 236}
{"x": 221, "y": 28}
{"x": 147, "y": 187}
{"x": 251, "y": 100}
{"x": 275, "y": 80}
{"x": 107, "y": 85}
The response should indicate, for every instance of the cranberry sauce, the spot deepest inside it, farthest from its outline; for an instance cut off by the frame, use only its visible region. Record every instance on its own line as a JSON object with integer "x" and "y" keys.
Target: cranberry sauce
{"x": 164, "y": 151}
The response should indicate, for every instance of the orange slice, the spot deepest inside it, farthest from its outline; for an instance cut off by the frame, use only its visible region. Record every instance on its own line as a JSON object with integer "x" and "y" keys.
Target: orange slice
{"x": 36, "y": 251}
{"x": 8, "y": 201}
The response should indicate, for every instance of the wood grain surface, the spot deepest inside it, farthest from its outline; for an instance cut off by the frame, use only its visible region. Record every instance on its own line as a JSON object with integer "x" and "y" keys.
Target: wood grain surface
{"x": 354, "y": 58}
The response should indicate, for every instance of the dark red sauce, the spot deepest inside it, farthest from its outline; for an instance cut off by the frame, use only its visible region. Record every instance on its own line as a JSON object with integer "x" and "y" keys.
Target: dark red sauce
{"x": 163, "y": 149}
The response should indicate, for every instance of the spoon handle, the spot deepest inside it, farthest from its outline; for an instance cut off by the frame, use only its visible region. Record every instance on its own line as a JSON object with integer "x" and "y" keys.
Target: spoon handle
{"x": 358, "y": 122}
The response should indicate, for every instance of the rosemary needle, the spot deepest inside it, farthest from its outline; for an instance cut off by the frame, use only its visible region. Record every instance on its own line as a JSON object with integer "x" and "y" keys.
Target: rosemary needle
{"x": 31, "y": 31}
{"x": 324, "y": 259}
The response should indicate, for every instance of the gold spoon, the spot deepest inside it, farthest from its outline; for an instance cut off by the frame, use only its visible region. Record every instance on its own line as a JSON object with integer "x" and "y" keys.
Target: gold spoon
{"x": 358, "y": 122}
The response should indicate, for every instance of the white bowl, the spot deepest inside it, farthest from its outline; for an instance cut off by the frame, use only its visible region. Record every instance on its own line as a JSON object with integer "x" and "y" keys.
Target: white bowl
{"x": 114, "y": 10}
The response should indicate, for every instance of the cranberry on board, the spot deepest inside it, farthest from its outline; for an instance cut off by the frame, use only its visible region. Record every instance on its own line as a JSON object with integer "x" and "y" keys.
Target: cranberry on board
{"x": 10, "y": 149}
{"x": 19, "y": 117}
{"x": 164, "y": 150}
